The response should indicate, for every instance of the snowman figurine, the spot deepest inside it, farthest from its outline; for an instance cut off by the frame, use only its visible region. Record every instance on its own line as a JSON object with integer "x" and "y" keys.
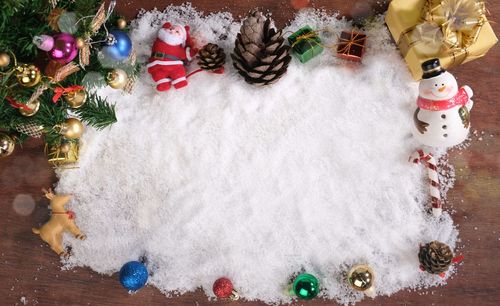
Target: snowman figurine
{"x": 442, "y": 116}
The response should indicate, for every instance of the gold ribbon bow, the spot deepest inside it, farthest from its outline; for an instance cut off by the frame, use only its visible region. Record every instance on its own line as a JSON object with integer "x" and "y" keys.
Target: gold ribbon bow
{"x": 447, "y": 26}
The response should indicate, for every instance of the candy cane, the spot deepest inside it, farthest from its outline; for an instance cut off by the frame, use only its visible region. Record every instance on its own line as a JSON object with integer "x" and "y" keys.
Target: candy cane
{"x": 430, "y": 162}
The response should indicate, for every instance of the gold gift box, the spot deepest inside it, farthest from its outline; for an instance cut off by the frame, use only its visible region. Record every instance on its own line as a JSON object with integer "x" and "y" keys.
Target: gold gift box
{"x": 59, "y": 159}
{"x": 403, "y": 16}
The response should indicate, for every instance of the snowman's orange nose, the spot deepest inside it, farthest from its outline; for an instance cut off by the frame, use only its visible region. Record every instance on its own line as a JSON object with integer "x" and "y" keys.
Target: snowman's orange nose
{"x": 441, "y": 89}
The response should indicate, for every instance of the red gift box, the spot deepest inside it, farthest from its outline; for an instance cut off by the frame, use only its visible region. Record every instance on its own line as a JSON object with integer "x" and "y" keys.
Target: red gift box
{"x": 351, "y": 46}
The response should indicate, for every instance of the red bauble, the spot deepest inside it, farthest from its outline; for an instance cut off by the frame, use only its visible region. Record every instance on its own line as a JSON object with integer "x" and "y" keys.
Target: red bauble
{"x": 223, "y": 288}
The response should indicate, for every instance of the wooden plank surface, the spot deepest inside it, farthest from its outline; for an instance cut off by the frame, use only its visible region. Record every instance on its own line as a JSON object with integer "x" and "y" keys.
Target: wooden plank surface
{"x": 29, "y": 270}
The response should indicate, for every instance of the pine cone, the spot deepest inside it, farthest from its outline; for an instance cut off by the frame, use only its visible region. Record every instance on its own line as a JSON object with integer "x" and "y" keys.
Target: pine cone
{"x": 211, "y": 57}
{"x": 260, "y": 53}
{"x": 435, "y": 257}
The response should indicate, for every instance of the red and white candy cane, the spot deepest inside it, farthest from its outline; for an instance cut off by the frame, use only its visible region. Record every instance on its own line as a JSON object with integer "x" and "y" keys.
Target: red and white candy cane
{"x": 429, "y": 161}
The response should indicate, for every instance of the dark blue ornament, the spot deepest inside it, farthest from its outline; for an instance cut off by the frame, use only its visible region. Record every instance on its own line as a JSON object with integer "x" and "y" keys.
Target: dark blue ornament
{"x": 118, "y": 46}
{"x": 133, "y": 275}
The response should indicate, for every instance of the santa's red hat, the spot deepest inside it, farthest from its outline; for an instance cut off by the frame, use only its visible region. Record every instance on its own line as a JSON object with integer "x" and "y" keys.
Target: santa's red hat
{"x": 184, "y": 30}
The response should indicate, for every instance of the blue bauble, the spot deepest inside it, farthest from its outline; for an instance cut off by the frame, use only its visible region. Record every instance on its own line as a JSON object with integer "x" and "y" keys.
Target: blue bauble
{"x": 119, "y": 47}
{"x": 133, "y": 275}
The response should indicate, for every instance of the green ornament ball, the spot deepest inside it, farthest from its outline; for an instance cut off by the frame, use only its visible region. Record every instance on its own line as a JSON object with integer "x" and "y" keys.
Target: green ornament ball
{"x": 306, "y": 286}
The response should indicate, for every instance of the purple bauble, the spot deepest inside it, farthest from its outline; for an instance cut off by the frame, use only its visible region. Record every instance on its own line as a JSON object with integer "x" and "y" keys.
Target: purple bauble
{"x": 65, "y": 49}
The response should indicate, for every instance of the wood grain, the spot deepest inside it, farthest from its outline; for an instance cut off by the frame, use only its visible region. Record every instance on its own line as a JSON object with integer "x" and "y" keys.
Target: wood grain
{"x": 29, "y": 269}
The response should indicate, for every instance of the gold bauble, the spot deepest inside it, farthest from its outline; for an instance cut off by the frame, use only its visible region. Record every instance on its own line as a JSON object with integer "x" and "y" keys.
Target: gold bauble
{"x": 72, "y": 128}
{"x": 121, "y": 23}
{"x": 28, "y": 75}
{"x": 7, "y": 145}
{"x": 80, "y": 42}
{"x": 34, "y": 107}
{"x": 76, "y": 99}
{"x": 4, "y": 60}
{"x": 117, "y": 79}
{"x": 361, "y": 277}
{"x": 65, "y": 147}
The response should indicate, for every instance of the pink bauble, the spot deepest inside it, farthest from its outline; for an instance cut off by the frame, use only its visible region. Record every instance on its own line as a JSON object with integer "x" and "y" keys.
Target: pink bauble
{"x": 65, "y": 49}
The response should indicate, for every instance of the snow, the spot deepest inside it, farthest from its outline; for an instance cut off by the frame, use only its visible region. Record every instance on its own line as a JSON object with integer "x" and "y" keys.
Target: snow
{"x": 257, "y": 184}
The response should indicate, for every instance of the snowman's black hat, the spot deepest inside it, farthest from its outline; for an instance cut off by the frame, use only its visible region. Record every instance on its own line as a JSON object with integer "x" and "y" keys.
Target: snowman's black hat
{"x": 432, "y": 68}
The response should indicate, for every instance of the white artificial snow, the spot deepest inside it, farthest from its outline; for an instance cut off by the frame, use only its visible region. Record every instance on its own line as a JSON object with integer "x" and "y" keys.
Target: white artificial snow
{"x": 225, "y": 179}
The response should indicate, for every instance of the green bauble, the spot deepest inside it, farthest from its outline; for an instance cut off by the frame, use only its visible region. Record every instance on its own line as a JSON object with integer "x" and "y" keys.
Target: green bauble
{"x": 306, "y": 286}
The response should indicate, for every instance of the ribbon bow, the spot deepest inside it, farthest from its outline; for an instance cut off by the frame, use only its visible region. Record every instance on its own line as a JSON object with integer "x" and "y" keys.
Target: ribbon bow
{"x": 59, "y": 91}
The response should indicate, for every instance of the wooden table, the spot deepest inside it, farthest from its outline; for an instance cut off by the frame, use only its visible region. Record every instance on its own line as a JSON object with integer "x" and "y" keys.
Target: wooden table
{"x": 29, "y": 269}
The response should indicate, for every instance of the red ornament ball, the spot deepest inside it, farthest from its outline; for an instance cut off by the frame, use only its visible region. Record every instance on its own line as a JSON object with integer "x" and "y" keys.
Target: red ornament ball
{"x": 223, "y": 288}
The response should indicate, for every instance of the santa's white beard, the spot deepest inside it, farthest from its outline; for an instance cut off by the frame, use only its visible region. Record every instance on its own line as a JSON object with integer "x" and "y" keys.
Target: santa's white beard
{"x": 170, "y": 39}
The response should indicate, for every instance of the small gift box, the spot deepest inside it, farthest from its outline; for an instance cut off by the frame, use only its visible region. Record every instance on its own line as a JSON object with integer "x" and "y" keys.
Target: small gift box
{"x": 456, "y": 32}
{"x": 351, "y": 46}
{"x": 305, "y": 43}
{"x": 63, "y": 155}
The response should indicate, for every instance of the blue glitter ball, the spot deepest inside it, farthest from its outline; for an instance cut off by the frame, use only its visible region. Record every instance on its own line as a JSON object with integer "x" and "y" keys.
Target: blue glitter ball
{"x": 133, "y": 275}
{"x": 119, "y": 46}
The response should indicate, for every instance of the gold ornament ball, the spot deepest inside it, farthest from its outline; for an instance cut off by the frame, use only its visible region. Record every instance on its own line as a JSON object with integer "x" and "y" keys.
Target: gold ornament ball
{"x": 72, "y": 128}
{"x": 117, "y": 79}
{"x": 121, "y": 23}
{"x": 7, "y": 145}
{"x": 4, "y": 60}
{"x": 76, "y": 99}
{"x": 65, "y": 147}
{"x": 34, "y": 107}
{"x": 28, "y": 75}
{"x": 361, "y": 277}
{"x": 80, "y": 43}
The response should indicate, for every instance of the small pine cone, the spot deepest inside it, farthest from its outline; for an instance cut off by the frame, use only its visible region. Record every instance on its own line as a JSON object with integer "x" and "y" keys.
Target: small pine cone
{"x": 211, "y": 57}
{"x": 435, "y": 257}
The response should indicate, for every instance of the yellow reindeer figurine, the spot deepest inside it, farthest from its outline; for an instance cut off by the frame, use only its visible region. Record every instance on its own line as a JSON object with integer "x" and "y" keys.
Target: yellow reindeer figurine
{"x": 60, "y": 221}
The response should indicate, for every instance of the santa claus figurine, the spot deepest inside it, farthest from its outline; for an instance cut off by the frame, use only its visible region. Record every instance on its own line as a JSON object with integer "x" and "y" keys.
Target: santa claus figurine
{"x": 171, "y": 52}
{"x": 442, "y": 118}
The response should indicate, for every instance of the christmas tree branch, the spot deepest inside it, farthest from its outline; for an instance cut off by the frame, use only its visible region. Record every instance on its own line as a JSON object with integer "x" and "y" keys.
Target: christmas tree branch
{"x": 97, "y": 112}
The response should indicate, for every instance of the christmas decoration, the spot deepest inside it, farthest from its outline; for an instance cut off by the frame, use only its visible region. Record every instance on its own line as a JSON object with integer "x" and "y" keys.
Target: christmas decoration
{"x": 60, "y": 221}
{"x": 260, "y": 54}
{"x": 76, "y": 99}
{"x": 32, "y": 108}
{"x": 72, "y": 128}
{"x": 28, "y": 75}
{"x": 436, "y": 257}
{"x": 121, "y": 23}
{"x": 4, "y": 60}
{"x": 211, "y": 57}
{"x": 117, "y": 78}
{"x": 7, "y": 145}
{"x": 362, "y": 278}
{"x": 80, "y": 43}
{"x": 53, "y": 18}
{"x": 223, "y": 289}
{"x": 456, "y": 32}
{"x": 306, "y": 286}
{"x": 351, "y": 46}
{"x": 133, "y": 275}
{"x": 60, "y": 47}
{"x": 428, "y": 160}
{"x": 67, "y": 22}
{"x": 64, "y": 154}
{"x": 442, "y": 117}
{"x": 171, "y": 50}
{"x": 119, "y": 46}
{"x": 30, "y": 128}
{"x": 305, "y": 43}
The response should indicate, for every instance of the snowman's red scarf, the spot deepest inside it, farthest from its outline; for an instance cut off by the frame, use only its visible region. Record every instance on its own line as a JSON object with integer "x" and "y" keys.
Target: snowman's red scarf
{"x": 461, "y": 98}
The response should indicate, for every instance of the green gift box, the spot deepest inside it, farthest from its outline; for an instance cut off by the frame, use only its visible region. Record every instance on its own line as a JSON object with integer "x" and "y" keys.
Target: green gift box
{"x": 305, "y": 43}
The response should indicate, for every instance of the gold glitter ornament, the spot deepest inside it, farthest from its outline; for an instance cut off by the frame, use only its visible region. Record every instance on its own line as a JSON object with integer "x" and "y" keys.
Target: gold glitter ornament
{"x": 4, "y": 60}
{"x": 72, "y": 128}
{"x": 7, "y": 145}
{"x": 121, "y": 23}
{"x": 362, "y": 278}
{"x": 76, "y": 99}
{"x": 34, "y": 106}
{"x": 28, "y": 75}
{"x": 117, "y": 79}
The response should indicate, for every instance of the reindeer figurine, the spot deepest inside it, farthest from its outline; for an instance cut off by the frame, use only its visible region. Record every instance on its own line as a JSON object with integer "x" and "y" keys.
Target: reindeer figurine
{"x": 60, "y": 221}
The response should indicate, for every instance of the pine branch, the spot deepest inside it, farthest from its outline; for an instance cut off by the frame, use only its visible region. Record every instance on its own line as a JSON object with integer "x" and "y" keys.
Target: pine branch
{"x": 97, "y": 112}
